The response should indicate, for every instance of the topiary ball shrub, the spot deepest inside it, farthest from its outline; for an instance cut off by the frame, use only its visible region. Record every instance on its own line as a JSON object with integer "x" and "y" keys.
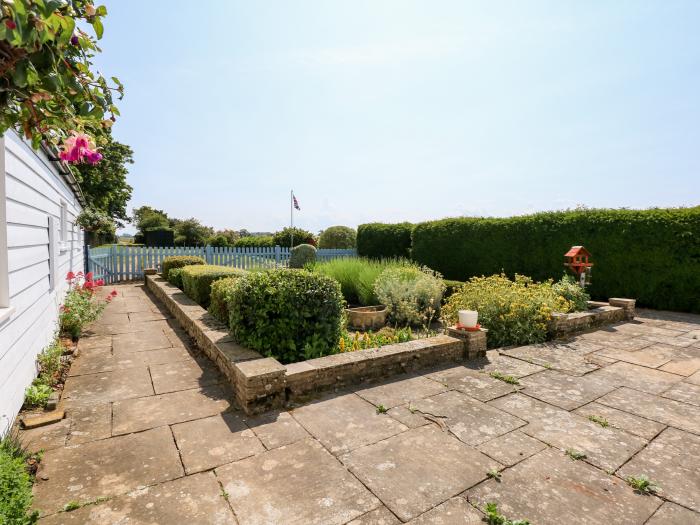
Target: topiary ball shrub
{"x": 197, "y": 280}
{"x": 218, "y": 306}
{"x": 175, "y": 277}
{"x": 302, "y": 255}
{"x": 178, "y": 261}
{"x": 337, "y": 237}
{"x": 291, "y": 315}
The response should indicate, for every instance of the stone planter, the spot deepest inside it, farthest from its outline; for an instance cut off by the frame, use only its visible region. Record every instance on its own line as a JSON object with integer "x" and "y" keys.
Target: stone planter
{"x": 367, "y": 317}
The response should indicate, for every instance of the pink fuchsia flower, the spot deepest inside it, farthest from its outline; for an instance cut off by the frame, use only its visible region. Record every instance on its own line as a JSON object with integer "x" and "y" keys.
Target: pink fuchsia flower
{"x": 79, "y": 147}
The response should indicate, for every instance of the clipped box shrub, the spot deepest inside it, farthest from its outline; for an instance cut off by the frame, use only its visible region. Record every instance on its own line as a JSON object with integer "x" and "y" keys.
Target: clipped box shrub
{"x": 291, "y": 315}
{"x": 197, "y": 280}
{"x": 179, "y": 261}
{"x": 302, "y": 255}
{"x": 218, "y": 307}
{"x": 650, "y": 255}
{"x": 378, "y": 240}
{"x": 175, "y": 277}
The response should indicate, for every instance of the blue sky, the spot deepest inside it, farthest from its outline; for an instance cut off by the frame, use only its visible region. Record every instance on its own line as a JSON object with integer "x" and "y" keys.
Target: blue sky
{"x": 400, "y": 110}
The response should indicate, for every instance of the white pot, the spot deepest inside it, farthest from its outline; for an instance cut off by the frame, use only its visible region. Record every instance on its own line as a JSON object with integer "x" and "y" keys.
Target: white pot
{"x": 468, "y": 318}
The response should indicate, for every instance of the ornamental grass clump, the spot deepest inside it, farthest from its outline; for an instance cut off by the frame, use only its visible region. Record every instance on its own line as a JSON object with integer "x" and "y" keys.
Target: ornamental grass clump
{"x": 412, "y": 294}
{"x": 291, "y": 315}
{"x": 515, "y": 312}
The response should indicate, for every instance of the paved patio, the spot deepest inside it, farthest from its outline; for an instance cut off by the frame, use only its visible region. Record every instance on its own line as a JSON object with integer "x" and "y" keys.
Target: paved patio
{"x": 151, "y": 435}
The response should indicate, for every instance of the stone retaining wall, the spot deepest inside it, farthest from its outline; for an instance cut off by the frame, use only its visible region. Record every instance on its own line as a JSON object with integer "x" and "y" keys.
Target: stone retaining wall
{"x": 598, "y": 314}
{"x": 262, "y": 383}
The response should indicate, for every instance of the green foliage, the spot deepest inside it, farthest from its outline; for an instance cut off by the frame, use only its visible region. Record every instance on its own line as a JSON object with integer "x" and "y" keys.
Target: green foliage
{"x": 49, "y": 361}
{"x": 37, "y": 394}
{"x": 451, "y": 287}
{"x": 493, "y": 517}
{"x": 104, "y": 184}
{"x": 220, "y": 289}
{"x": 197, "y": 280}
{"x": 599, "y": 420}
{"x": 378, "y": 240}
{"x": 179, "y": 261}
{"x": 642, "y": 484}
{"x": 651, "y": 255}
{"x": 80, "y": 308}
{"x": 284, "y": 237}
{"x": 97, "y": 221}
{"x": 301, "y": 255}
{"x": 515, "y": 312}
{"x": 255, "y": 241}
{"x": 575, "y": 454}
{"x": 146, "y": 218}
{"x": 337, "y": 237}
{"x": 48, "y": 86}
{"x": 352, "y": 342}
{"x": 15, "y": 485}
{"x": 411, "y": 294}
{"x": 175, "y": 276}
{"x": 511, "y": 380}
{"x": 223, "y": 238}
{"x": 381, "y": 409}
{"x": 190, "y": 232}
{"x": 569, "y": 289}
{"x": 291, "y": 315}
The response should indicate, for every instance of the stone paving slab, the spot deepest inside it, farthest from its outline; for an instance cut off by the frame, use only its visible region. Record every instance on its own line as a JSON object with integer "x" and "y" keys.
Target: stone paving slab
{"x": 565, "y": 391}
{"x": 408, "y": 415}
{"x": 214, "y": 441}
{"x": 400, "y": 391}
{"x": 346, "y": 422}
{"x": 672, "y": 514}
{"x": 495, "y": 362}
{"x": 380, "y": 516}
{"x": 685, "y": 363}
{"x": 195, "y": 499}
{"x": 107, "y": 386}
{"x": 133, "y": 415}
{"x": 637, "y": 377}
{"x": 685, "y": 392}
{"x": 666, "y": 411}
{"x": 478, "y": 385}
{"x": 46, "y": 437}
{"x": 299, "y": 484}
{"x": 103, "y": 360}
{"x": 105, "y": 468}
{"x": 85, "y": 344}
{"x": 183, "y": 375}
{"x": 276, "y": 429}
{"x": 472, "y": 421}
{"x": 652, "y": 356}
{"x": 90, "y": 423}
{"x": 694, "y": 378}
{"x": 455, "y": 511}
{"x": 552, "y": 357}
{"x": 409, "y": 477}
{"x": 512, "y": 448}
{"x": 524, "y": 407}
{"x": 549, "y": 488}
{"x": 140, "y": 341}
{"x": 672, "y": 460}
{"x": 630, "y": 423}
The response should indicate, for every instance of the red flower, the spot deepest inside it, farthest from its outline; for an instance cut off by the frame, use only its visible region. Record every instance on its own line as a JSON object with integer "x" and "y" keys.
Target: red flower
{"x": 10, "y": 24}
{"x": 109, "y": 298}
{"x": 88, "y": 285}
{"x": 88, "y": 276}
{"x": 114, "y": 293}
{"x": 70, "y": 276}
{"x": 100, "y": 282}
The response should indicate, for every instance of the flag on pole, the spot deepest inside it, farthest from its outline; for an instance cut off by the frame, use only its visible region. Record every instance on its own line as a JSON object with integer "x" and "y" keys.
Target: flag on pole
{"x": 296, "y": 203}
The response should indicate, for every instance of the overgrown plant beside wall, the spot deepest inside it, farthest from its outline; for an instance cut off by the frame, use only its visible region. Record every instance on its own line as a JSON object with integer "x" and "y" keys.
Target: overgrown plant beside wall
{"x": 81, "y": 306}
{"x": 650, "y": 255}
{"x": 15, "y": 483}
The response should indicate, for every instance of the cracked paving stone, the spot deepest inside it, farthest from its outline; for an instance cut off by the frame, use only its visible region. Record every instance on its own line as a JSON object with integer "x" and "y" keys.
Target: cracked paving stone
{"x": 409, "y": 477}
{"x": 105, "y": 468}
{"x": 193, "y": 499}
{"x": 472, "y": 421}
{"x": 276, "y": 429}
{"x": 565, "y": 391}
{"x": 380, "y": 516}
{"x": 408, "y": 415}
{"x": 672, "y": 514}
{"x": 455, "y": 511}
{"x": 630, "y": 423}
{"x": 663, "y": 410}
{"x": 478, "y": 385}
{"x": 635, "y": 376}
{"x": 551, "y": 489}
{"x": 495, "y": 362}
{"x": 400, "y": 390}
{"x": 554, "y": 357}
{"x": 672, "y": 461}
{"x": 512, "y": 448}
{"x": 299, "y": 484}
{"x": 345, "y": 422}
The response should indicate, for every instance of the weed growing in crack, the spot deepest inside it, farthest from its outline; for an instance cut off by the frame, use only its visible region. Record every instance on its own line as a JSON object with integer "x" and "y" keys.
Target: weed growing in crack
{"x": 575, "y": 454}
{"x": 70, "y": 506}
{"x": 494, "y": 474}
{"x": 642, "y": 484}
{"x": 600, "y": 420}
{"x": 381, "y": 409}
{"x": 511, "y": 380}
{"x": 493, "y": 517}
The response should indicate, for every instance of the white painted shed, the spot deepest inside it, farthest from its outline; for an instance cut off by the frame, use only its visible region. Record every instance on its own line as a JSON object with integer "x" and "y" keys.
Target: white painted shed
{"x": 39, "y": 244}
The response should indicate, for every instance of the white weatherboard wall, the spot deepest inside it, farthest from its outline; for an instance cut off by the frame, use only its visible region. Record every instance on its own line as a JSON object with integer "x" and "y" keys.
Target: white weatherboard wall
{"x": 39, "y": 245}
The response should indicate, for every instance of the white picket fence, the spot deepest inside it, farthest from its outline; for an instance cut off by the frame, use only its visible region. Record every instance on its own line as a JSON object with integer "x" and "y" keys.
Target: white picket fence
{"x": 119, "y": 262}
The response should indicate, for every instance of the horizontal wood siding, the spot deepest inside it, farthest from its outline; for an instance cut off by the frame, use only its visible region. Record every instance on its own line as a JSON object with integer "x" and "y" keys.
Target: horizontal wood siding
{"x": 34, "y": 192}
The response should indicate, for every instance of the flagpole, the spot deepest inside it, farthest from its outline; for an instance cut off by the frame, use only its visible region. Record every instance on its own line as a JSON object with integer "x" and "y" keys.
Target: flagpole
{"x": 291, "y": 218}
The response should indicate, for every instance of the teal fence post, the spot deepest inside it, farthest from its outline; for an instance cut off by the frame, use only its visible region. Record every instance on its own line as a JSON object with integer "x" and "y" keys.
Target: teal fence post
{"x": 208, "y": 254}
{"x": 277, "y": 256}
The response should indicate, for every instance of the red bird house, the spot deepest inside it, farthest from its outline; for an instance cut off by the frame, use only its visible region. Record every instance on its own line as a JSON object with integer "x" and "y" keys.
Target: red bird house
{"x": 577, "y": 260}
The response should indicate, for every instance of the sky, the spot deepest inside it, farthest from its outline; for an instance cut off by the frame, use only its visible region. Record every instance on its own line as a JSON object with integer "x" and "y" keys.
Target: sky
{"x": 405, "y": 110}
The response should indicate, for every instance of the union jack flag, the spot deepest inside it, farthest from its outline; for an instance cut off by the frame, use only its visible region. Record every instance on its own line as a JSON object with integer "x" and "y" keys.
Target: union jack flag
{"x": 296, "y": 203}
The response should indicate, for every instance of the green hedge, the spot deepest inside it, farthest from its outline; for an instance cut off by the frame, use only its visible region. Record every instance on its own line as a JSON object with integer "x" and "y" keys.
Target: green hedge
{"x": 175, "y": 277}
{"x": 218, "y": 306}
{"x": 255, "y": 241}
{"x": 197, "y": 280}
{"x": 291, "y": 315}
{"x": 651, "y": 255}
{"x": 378, "y": 240}
{"x": 178, "y": 261}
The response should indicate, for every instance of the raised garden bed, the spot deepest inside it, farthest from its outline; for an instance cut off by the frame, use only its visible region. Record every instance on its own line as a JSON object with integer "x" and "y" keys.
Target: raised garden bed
{"x": 598, "y": 314}
{"x": 262, "y": 383}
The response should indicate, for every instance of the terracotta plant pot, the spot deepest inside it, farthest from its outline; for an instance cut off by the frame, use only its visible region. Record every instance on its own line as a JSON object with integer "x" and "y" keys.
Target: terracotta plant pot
{"x": 367, "y": 317}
